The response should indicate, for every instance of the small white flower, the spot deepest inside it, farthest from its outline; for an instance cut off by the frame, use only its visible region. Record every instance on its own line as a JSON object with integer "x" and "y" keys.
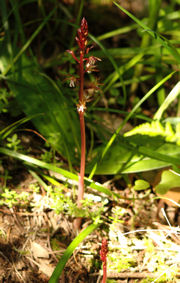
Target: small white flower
{"x": 72, "y": 82}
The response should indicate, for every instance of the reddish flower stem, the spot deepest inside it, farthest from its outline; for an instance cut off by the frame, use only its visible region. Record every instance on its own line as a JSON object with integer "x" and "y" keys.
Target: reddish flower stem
{"x": 83, "y": 153}
{"x": 77, "y": 222}
{"x": 81, "y": 39}
{"x": 104, "y": 272}
{"x": 103, "y": 255}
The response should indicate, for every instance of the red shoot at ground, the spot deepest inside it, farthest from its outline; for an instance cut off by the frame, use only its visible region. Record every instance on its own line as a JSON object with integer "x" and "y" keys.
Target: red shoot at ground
{"x": 103, "y": 255}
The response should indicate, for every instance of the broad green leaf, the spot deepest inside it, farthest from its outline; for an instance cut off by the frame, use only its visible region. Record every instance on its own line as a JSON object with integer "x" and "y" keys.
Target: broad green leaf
{"x": 156, "y": 128}
{"x": 69, "y": 251}
{"x": 138, "y": 153}
{"x": 37, "y": 94}
{"x": 141, "y": 185}
{"x": 56, "y": 117}
{"x": 115, "y": 135}
{"x": 169, "y": 180}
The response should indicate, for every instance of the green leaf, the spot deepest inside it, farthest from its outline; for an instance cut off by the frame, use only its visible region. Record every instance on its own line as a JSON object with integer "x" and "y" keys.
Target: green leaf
{"x": 69, "y": 251}
{"x": 166, "y": 43}
{"x": 65, "y": 173}
{"x": 169, "y": 180}
{"x": 169, "y": 99}
{"x": 115, "y": 135}
{"x": 38, "y": 95}
{"x": 155, "y": 128}
{"x": 138, "y": 153}
{"x": 141, "y": 185}
{"x": 8, "y": 65}
{"x": 9, "y": 129}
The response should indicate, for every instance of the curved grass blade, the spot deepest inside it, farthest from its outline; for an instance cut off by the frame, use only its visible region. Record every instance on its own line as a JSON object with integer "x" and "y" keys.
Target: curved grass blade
{"x": 18, "y": 24}
{"x": 121, "y": 70}
{"x": 154, "y": 9}
{"x": 161, "y": 39}
{"x": 117, "y": 32}
{"x": 39, "y": 180}
{"x": 169, "y": 99}
{"x": 128, "y": 117}
{"x": 65, "y": 173}
{"x": 121, "y": 112}
{"x": 117, "y": 69}
{"x": 69, "y": 251}
{"x": 26, "y": 45}
{"x": 8, "y": 130}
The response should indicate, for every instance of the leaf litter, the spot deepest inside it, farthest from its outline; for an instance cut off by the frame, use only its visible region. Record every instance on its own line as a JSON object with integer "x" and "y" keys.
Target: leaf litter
{"x": 141, "y": 248}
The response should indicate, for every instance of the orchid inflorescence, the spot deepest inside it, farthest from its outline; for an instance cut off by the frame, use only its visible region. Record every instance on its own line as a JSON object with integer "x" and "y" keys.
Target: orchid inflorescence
{"x": 90, "y": 62}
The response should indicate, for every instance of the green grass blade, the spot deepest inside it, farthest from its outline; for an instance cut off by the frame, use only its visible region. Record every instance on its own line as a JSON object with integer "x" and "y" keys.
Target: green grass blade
{"x": 111, "y": 59}
{"x": 121, "y": 70}
{"x": 162, "y": 157}
{"x": 7, "y": 38}
{"x": 127, "y": 52}
{"x": 148, "y": 94}
{"x": 69, "y": 251}
{"x": 154, "y": 8}
{"x": 166, "y": 43}
{"x": 121, "y": 112}
{"x": 138, "y": 153}
{"x": 6, "y": 131}
{"x": 65, "y": 173}
{"x": 107, "y": 147}
{"x": 39, "y": 180}
{"x": 169, "y": 99}
{"x": 117, "y": 32}
{"x": 18, "y": 23}
{"x": 27, "y": 44}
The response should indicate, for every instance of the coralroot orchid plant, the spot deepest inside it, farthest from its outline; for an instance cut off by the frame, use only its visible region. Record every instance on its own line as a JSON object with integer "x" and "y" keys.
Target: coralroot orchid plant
{"x": 86, "y": 64}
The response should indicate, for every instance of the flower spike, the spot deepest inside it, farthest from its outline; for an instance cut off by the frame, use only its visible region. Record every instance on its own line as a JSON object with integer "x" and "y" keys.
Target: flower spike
{"x": 82, "y": 35}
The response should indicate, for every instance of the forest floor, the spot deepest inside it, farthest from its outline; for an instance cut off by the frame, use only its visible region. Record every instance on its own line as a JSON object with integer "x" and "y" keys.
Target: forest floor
{"x": 142, "y": 248}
